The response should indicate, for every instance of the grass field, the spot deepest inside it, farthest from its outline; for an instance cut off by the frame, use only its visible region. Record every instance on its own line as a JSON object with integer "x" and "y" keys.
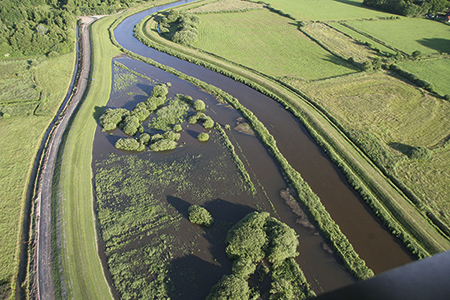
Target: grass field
{"x": 436, "y": 71}
{"x": 326, "y": 10}
{"x": 225, "y": 5}
{"x": 21, "y": 135}
{"x": 390, "y": 109}
{"x": 339, "y": 43}
{"x": 268, "y": 43}
{"x": 359, "y": 37}
{"x": 409, "y": 34}
{"x": 384, "y": 106}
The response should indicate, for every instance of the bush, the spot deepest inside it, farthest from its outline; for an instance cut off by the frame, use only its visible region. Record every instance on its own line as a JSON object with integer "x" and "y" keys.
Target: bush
{"x": 177, "y": 128}
{"x": 243, "y": 268}
{"x": 199, "y": 105}
{"x": 129, "y": 144}
{"x": 141, "y": 112}
{"x": 163, "y": 145}
{"x": 172, "y": 136}
{"x": 420, "y": 153}
{"x": 200, "y": 216}
{"x": 230, "y": 287}
{"x": 131, "y": 125}
{"x": 208, "y": 123}
{"x": 144, "y": 139}
{"x": 283, "y": 241}
{"x": 111, "y": 118}
{"x": 156, "y": 137}
{"x": 203, "y": 137}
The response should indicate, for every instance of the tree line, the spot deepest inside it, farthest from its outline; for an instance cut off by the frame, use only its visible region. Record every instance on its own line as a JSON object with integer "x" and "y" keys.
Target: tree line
{"x": 409, "y": 8}
{"x": 43, "y": 27}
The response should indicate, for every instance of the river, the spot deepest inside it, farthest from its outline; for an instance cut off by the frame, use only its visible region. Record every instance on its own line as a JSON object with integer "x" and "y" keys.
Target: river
{"x": 370, "y": 239}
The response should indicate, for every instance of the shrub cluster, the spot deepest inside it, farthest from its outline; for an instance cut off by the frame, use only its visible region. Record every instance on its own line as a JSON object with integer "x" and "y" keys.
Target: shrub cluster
{"x": 203, "y": 137}
{"x": 254, "y": 239}
{"x": 129, "y": 144}
{"x": 200, "y": 216}
{"x": 420, "y": 153}
{"x": 184, "y": 27}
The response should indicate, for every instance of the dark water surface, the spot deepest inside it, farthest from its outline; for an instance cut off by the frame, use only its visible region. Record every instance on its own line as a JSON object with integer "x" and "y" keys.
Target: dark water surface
{"x": 370, "y": 239}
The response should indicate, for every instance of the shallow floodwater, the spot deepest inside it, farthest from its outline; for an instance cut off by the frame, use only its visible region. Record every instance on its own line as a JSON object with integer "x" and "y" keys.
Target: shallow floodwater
{"x": 322, "y": 269}
{"x": 369, "y": 237}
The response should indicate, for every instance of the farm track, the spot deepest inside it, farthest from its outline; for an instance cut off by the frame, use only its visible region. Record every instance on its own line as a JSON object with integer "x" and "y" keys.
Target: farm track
{"x": 43, "y": 273}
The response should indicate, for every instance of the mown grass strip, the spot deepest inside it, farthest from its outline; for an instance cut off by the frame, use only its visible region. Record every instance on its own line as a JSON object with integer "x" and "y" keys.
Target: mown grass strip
{"x": 411, "y": 226}
{"x": 82, "y": 267}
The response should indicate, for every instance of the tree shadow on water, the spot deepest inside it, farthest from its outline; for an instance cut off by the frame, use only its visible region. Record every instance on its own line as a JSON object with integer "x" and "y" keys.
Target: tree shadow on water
{"x": 192, "y": 277}
{"x": 98, "y": 111}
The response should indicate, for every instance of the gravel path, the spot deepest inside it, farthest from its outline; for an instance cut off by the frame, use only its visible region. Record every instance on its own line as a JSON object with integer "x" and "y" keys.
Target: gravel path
{"x": 45, "y": 285}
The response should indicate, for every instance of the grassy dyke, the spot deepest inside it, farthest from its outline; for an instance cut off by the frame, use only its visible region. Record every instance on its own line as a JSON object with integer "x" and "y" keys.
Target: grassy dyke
{"x": 81, "y": 265}
{"x": 21, "y": 135}
{"x": 408, "y": 34}
{"x": 270, "y": 44}
{"x": 331, "y": 230}
{"x": 409, "y": 225}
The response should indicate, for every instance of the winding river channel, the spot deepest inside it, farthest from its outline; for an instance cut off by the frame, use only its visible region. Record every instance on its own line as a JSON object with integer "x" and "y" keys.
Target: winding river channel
{"x": 323, "y": 270}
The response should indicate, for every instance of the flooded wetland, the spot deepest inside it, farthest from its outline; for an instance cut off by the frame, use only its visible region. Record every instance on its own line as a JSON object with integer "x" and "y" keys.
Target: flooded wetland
{"x": 153, "y": 251}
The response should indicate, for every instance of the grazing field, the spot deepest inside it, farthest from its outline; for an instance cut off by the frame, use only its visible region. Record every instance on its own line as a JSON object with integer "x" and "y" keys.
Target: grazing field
{"x": 269, "y": 43}
{"x": 436, "y": 71}
{"x": 361, "y": 38}
{"x": 326, "y": 10}
{"x": 388, "y": 110}
{"x": 338, "y": 43}
{"x": 225, "y": 6}
{"x": 409, "y": 34}
{"x": 21, "y": 135}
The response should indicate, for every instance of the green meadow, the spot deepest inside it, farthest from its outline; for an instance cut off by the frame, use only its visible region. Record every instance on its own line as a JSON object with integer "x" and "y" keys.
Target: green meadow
{"x": 326, "y": 10}
{"x": 408, "y": 34}
{"x": 22, "y": 126}
{"x": 436, "y": 71}
{"x": 269, "y": 43}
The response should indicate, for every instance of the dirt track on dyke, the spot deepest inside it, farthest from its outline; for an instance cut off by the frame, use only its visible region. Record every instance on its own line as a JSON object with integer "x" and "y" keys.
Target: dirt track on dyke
{"x": 44, "y": 281}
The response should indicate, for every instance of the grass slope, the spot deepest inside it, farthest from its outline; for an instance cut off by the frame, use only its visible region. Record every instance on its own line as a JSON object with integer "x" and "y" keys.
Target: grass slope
{"x": 82, "y": 268}
{"x": 409, "y": 34}
{"x": 268, "y": 43}
{"x": 21, "y": 135}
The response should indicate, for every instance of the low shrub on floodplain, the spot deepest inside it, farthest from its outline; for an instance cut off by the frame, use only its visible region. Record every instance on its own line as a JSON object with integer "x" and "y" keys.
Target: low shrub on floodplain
{"x": 200, "y": 216}
{"x": 111, "y": 118}
{"x": 129, "y": 144}
{"x": 144, "y": 139}
{"x": 199, "y": 105}
{"x": 131, "y": 125}
{"x": 420, "y": 153}
{"x": 177, "y": 128}
{"x": 208, "y": 123}
{"x": 172, "y": 136}
{"x": 163, "y": 145}
{"x": 203, "y": 137}
{"x": 141, "y": 112}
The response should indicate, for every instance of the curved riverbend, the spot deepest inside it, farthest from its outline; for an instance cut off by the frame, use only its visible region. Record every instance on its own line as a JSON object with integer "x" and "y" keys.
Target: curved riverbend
{"x": 366, "y": 233}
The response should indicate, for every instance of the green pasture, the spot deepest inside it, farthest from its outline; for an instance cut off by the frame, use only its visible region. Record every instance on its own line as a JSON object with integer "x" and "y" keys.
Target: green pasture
{"x": 436, "y": 71}
{"x": 385, "y": 106}
{"x": 21, "y": 136}
{"x": 361, "y": 38}
{"x": 429, "y": 180}
{"x": 83, "y": 271}
{"x": 224, "y": 6}
{"x": 326, "y": 10}
{"x": 269, "y": 43}
{"x": 409, "y": 34}
{"x": 394, "y": 112}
